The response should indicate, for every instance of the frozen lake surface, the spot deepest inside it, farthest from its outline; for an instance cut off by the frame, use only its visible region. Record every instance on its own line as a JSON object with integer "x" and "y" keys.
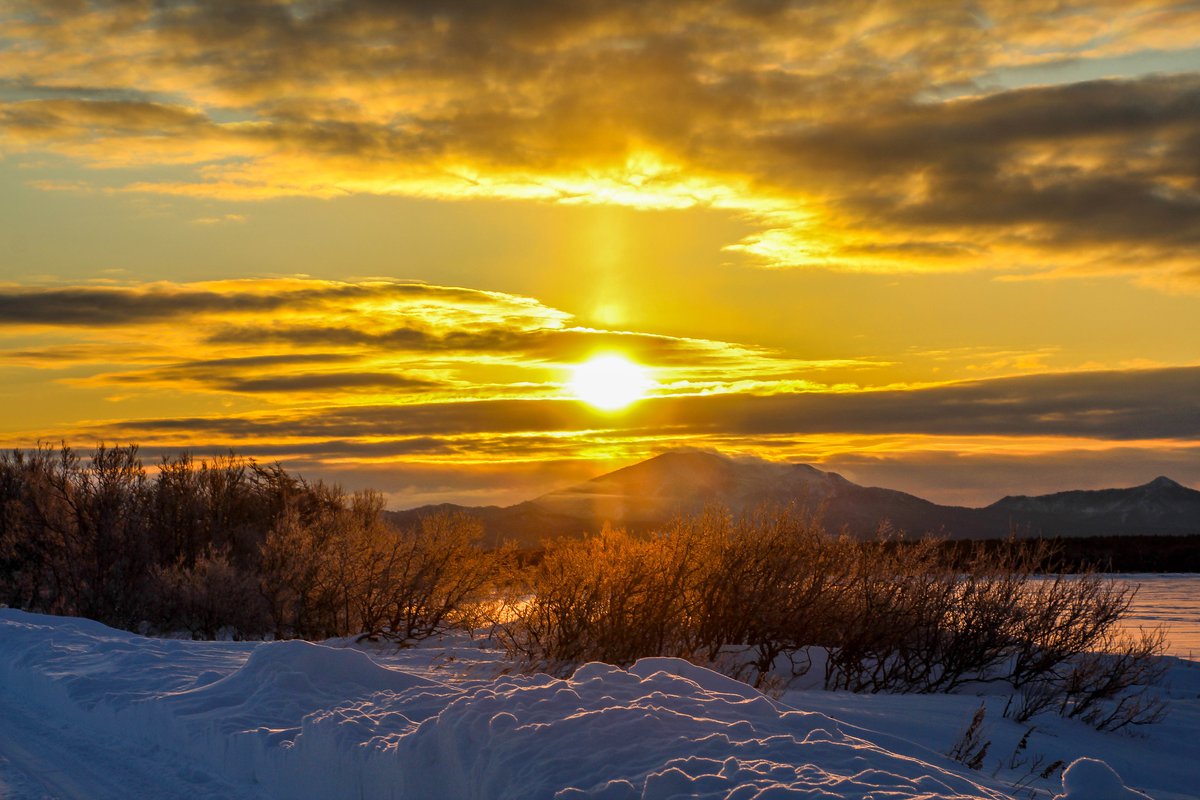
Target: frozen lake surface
{"x": 1172, "y": 600}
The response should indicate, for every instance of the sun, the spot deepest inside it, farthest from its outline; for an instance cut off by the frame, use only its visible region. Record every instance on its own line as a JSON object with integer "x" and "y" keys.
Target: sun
{"x": 609, "y": 382}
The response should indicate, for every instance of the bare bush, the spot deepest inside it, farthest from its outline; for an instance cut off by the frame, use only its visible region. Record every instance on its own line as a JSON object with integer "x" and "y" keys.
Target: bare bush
{"x": 75, "y": 531}
{"x": 771, "y": 582}
{"x": 610, "y": 597}
{"x": 889, "y": 615}
{"x": 207, "y": 598}
{"x": 424, "y": 581}
{"x": 1108, "y": 688}
{"x": 343, "y": 571}
{"x": 702, "y": 587}
{"x": 211, "y": 544}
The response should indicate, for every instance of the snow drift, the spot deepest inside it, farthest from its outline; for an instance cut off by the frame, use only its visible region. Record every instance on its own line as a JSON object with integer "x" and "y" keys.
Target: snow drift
{"x": 299, "y": 720}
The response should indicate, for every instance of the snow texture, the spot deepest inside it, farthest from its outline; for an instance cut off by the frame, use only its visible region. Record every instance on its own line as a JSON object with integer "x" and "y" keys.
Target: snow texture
{"x": 1089, "y": 779}
{"x": 301, "y": 720}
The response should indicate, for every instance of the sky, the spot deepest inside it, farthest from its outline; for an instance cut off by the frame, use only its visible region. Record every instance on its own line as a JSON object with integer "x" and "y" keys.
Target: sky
{"x": 948, "y": 248}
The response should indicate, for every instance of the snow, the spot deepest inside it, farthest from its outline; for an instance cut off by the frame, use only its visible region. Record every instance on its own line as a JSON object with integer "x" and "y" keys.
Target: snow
{"x": 298, "y": 720}
{"x": 1089, "y": 779}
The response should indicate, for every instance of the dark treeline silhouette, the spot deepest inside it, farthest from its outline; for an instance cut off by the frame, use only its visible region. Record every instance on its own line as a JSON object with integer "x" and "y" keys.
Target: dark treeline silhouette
{"x": 225, "y": 543}
{"x": 1077, "y": 554}
{"x": 1123, "y": 554}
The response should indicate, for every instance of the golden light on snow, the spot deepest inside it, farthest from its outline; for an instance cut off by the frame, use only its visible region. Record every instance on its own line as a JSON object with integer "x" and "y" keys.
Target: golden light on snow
{"x": 609, "y": 382}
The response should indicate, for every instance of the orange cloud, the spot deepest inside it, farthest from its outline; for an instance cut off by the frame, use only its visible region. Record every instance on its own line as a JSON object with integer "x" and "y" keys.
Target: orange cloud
{"x": 819, "y": 120}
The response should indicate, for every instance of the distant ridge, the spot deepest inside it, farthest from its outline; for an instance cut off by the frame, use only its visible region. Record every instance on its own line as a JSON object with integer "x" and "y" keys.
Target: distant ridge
{"x": 652, "y": 492}
{"x": 1160, "y": 506}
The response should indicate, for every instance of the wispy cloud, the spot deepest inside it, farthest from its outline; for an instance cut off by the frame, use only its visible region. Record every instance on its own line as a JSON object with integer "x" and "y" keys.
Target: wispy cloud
{"x": 292, "y": 338}
{"x": 223, "y": 219}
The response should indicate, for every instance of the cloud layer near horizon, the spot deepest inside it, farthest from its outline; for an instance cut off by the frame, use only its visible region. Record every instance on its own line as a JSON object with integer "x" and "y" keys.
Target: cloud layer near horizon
{"x": 359, "y": 378}
{"x": 882, "y": 136}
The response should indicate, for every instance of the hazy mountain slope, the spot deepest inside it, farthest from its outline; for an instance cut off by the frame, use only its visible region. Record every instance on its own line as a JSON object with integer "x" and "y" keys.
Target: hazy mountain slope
{"x": 685, "y": 482}
{"x": 654, "y": 491}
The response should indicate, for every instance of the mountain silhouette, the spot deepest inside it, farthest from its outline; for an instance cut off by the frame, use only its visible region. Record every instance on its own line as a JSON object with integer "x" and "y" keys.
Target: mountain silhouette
{"x": 651, "y": 493}
{"x": 1160, "y": 506}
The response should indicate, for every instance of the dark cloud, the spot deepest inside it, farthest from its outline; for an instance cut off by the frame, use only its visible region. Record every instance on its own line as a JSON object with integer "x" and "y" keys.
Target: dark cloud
{"x": 1102, "y": 162}
{"x": 108, "y": 117}
{"x": 539, "y": 344}
{"x": 325, "y": 382}
{"x": 84, "y": 306}
{"x": 26, "y": 90}
{"x": 328, "y": 335}
{"x": 824, "y": 106}
{"x": 106, "y": 307}
{"x": 254, "y": 362}
{"x": 221, "y": 372}
{"x": 221, "y": 375}
{"x": 316, "y": 451}
{"x": 1120, "y": 406}
{"x": 1115, "y": 406}
{"x": 915, "y": 135}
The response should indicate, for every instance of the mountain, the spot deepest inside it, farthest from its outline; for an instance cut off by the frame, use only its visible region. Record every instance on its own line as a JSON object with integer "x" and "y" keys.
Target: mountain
{"x": 648, "y": 494}
{"x": 1160, "y": 506}
{"x": 685, "y": 482}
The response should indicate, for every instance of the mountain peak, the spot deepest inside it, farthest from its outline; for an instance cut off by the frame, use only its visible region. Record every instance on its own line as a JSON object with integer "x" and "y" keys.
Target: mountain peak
{"x": 687, "y": 454}
{"x": 1163, "y": 482}
{"x": 685, "y": 481}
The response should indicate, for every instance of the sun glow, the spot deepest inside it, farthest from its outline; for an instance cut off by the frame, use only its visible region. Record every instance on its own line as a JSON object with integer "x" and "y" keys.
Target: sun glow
{"x": 609, "y": 382}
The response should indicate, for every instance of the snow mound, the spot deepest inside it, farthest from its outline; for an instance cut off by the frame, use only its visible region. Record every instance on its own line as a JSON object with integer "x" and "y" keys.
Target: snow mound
{"x": 297, "y": 720}
{"x": 1090, "y": 779}
{"x": 281, "y": 682}
{"x": 663, "y": 729}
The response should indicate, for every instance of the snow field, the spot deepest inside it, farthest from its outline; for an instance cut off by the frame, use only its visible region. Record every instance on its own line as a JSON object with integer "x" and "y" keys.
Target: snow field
{"x": 297, "y": 720}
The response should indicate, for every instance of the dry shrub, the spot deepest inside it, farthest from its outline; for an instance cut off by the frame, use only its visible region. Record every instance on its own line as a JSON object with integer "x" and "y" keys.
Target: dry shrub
{"x": 422, "y": 582}
{"x": 343, "y": 571}
{"x": 224, "y": 543}
{"x": 611, "y": 598}
{"x": 754, "y": 593}
{"x": 699, "y": 589}
{"x": 207, "y": 598}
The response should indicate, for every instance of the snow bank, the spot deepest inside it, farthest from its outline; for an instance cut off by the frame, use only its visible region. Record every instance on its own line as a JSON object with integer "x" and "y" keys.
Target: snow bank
{"x": 298, "y": 720}
{"x": 1090, "y": 779}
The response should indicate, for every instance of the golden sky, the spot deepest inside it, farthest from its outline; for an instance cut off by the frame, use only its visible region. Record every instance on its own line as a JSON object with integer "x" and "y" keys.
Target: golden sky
{"x": 948, "y": 248}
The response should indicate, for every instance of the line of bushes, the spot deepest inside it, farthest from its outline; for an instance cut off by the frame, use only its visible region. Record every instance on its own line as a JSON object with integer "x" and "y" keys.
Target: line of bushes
{"x": 773, "y": 591}
{"x": 224, "y": 546}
